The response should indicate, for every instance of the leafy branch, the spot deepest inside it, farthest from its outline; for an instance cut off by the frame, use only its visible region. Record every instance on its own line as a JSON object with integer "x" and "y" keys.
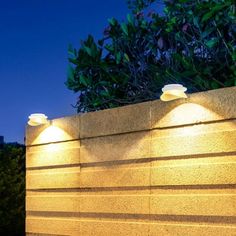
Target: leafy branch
{"x": 193, "y": 44}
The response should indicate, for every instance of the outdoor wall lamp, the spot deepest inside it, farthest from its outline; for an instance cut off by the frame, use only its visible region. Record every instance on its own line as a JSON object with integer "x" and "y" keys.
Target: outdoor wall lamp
{"x": 37, "y": 119}
{"x": 172, "y": 92}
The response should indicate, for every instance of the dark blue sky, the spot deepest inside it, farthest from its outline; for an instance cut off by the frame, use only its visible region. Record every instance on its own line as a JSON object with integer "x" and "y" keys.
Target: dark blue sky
{"x": 34, "y": 35}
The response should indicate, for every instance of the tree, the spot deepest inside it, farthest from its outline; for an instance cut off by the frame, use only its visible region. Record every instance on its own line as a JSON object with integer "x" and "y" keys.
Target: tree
{"x": 12, "y": 189}
{"x": 193, "y": 44}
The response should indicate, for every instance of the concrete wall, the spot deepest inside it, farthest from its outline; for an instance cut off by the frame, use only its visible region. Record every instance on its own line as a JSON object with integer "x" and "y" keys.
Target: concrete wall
{"x": 149, "y": 169}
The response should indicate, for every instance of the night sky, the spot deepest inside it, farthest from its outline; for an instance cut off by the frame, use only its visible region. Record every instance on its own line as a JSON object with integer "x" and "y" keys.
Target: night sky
{"x": 34, "y": 36}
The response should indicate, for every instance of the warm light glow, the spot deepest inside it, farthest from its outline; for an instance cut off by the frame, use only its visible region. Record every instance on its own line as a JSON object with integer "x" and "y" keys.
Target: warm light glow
{"x": 37, "y": 119}
{"x": 196, "y": 114}
{"x": 173, "y": 91}
{"x": 52, "y": 134}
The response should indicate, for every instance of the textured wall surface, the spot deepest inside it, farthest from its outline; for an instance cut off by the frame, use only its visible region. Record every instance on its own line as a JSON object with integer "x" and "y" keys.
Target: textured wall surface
{"x": 149, "y": 169}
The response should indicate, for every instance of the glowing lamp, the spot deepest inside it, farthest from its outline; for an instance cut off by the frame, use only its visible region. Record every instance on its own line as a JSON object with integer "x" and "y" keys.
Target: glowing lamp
{"x": 37, "y": 119}
{"x": 172, "y": 92}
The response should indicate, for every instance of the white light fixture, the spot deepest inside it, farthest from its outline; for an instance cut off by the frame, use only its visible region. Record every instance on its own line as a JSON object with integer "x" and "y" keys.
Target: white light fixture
{"x": 172, "y": 92}
{"x": 37, "y": 119}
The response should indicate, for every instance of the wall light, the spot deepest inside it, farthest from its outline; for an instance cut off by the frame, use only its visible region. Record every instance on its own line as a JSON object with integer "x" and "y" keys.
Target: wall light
{"x": 172, "y": 92}
{"x": 37, "y": 119}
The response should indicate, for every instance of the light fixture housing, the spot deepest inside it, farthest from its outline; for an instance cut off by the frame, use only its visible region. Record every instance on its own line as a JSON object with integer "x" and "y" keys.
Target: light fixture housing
{"x": 172, "y": 92}
{"x": 37, "y": 119}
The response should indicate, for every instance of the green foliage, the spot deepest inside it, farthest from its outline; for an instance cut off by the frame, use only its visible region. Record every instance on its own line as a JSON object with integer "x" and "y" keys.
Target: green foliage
{"x": 193, "y": 44}
{"x": 138, "y": 5}
{"x": 12, "y": 189}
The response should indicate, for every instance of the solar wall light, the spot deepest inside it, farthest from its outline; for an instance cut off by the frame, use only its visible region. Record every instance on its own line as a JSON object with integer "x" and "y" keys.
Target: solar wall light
{"x": 37, "y": 119}
{"x": 172, "y": 92}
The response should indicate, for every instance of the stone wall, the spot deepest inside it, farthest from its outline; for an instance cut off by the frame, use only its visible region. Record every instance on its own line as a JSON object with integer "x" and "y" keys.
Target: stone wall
{"x": 149, "y": 169}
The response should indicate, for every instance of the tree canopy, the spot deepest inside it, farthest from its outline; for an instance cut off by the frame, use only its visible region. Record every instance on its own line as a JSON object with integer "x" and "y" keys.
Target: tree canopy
{"x": 192, "y": 43}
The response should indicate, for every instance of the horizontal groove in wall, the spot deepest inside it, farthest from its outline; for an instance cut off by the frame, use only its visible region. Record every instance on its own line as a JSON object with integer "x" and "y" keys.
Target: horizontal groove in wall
{"x": 39, "y": 234}
{"x": 44, "y": 144}
{"x": 169, "y": 187}
{"x": 151, "y": 159}
{"x": 144, "y": 217}
{"x": 61, "y": 145}
{"x": 196, "y": 123}
{"x": 53, "y": 167}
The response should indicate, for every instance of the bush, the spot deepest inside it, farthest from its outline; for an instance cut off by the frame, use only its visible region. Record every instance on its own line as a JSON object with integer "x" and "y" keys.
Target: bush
{"x": 12, "y": 190}
{"x": 192, "y": 44}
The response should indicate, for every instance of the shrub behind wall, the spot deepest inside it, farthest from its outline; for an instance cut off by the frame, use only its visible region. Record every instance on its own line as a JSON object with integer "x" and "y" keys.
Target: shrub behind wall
{"x": 12, "y": 189}
{"x": 193, "y": 44}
